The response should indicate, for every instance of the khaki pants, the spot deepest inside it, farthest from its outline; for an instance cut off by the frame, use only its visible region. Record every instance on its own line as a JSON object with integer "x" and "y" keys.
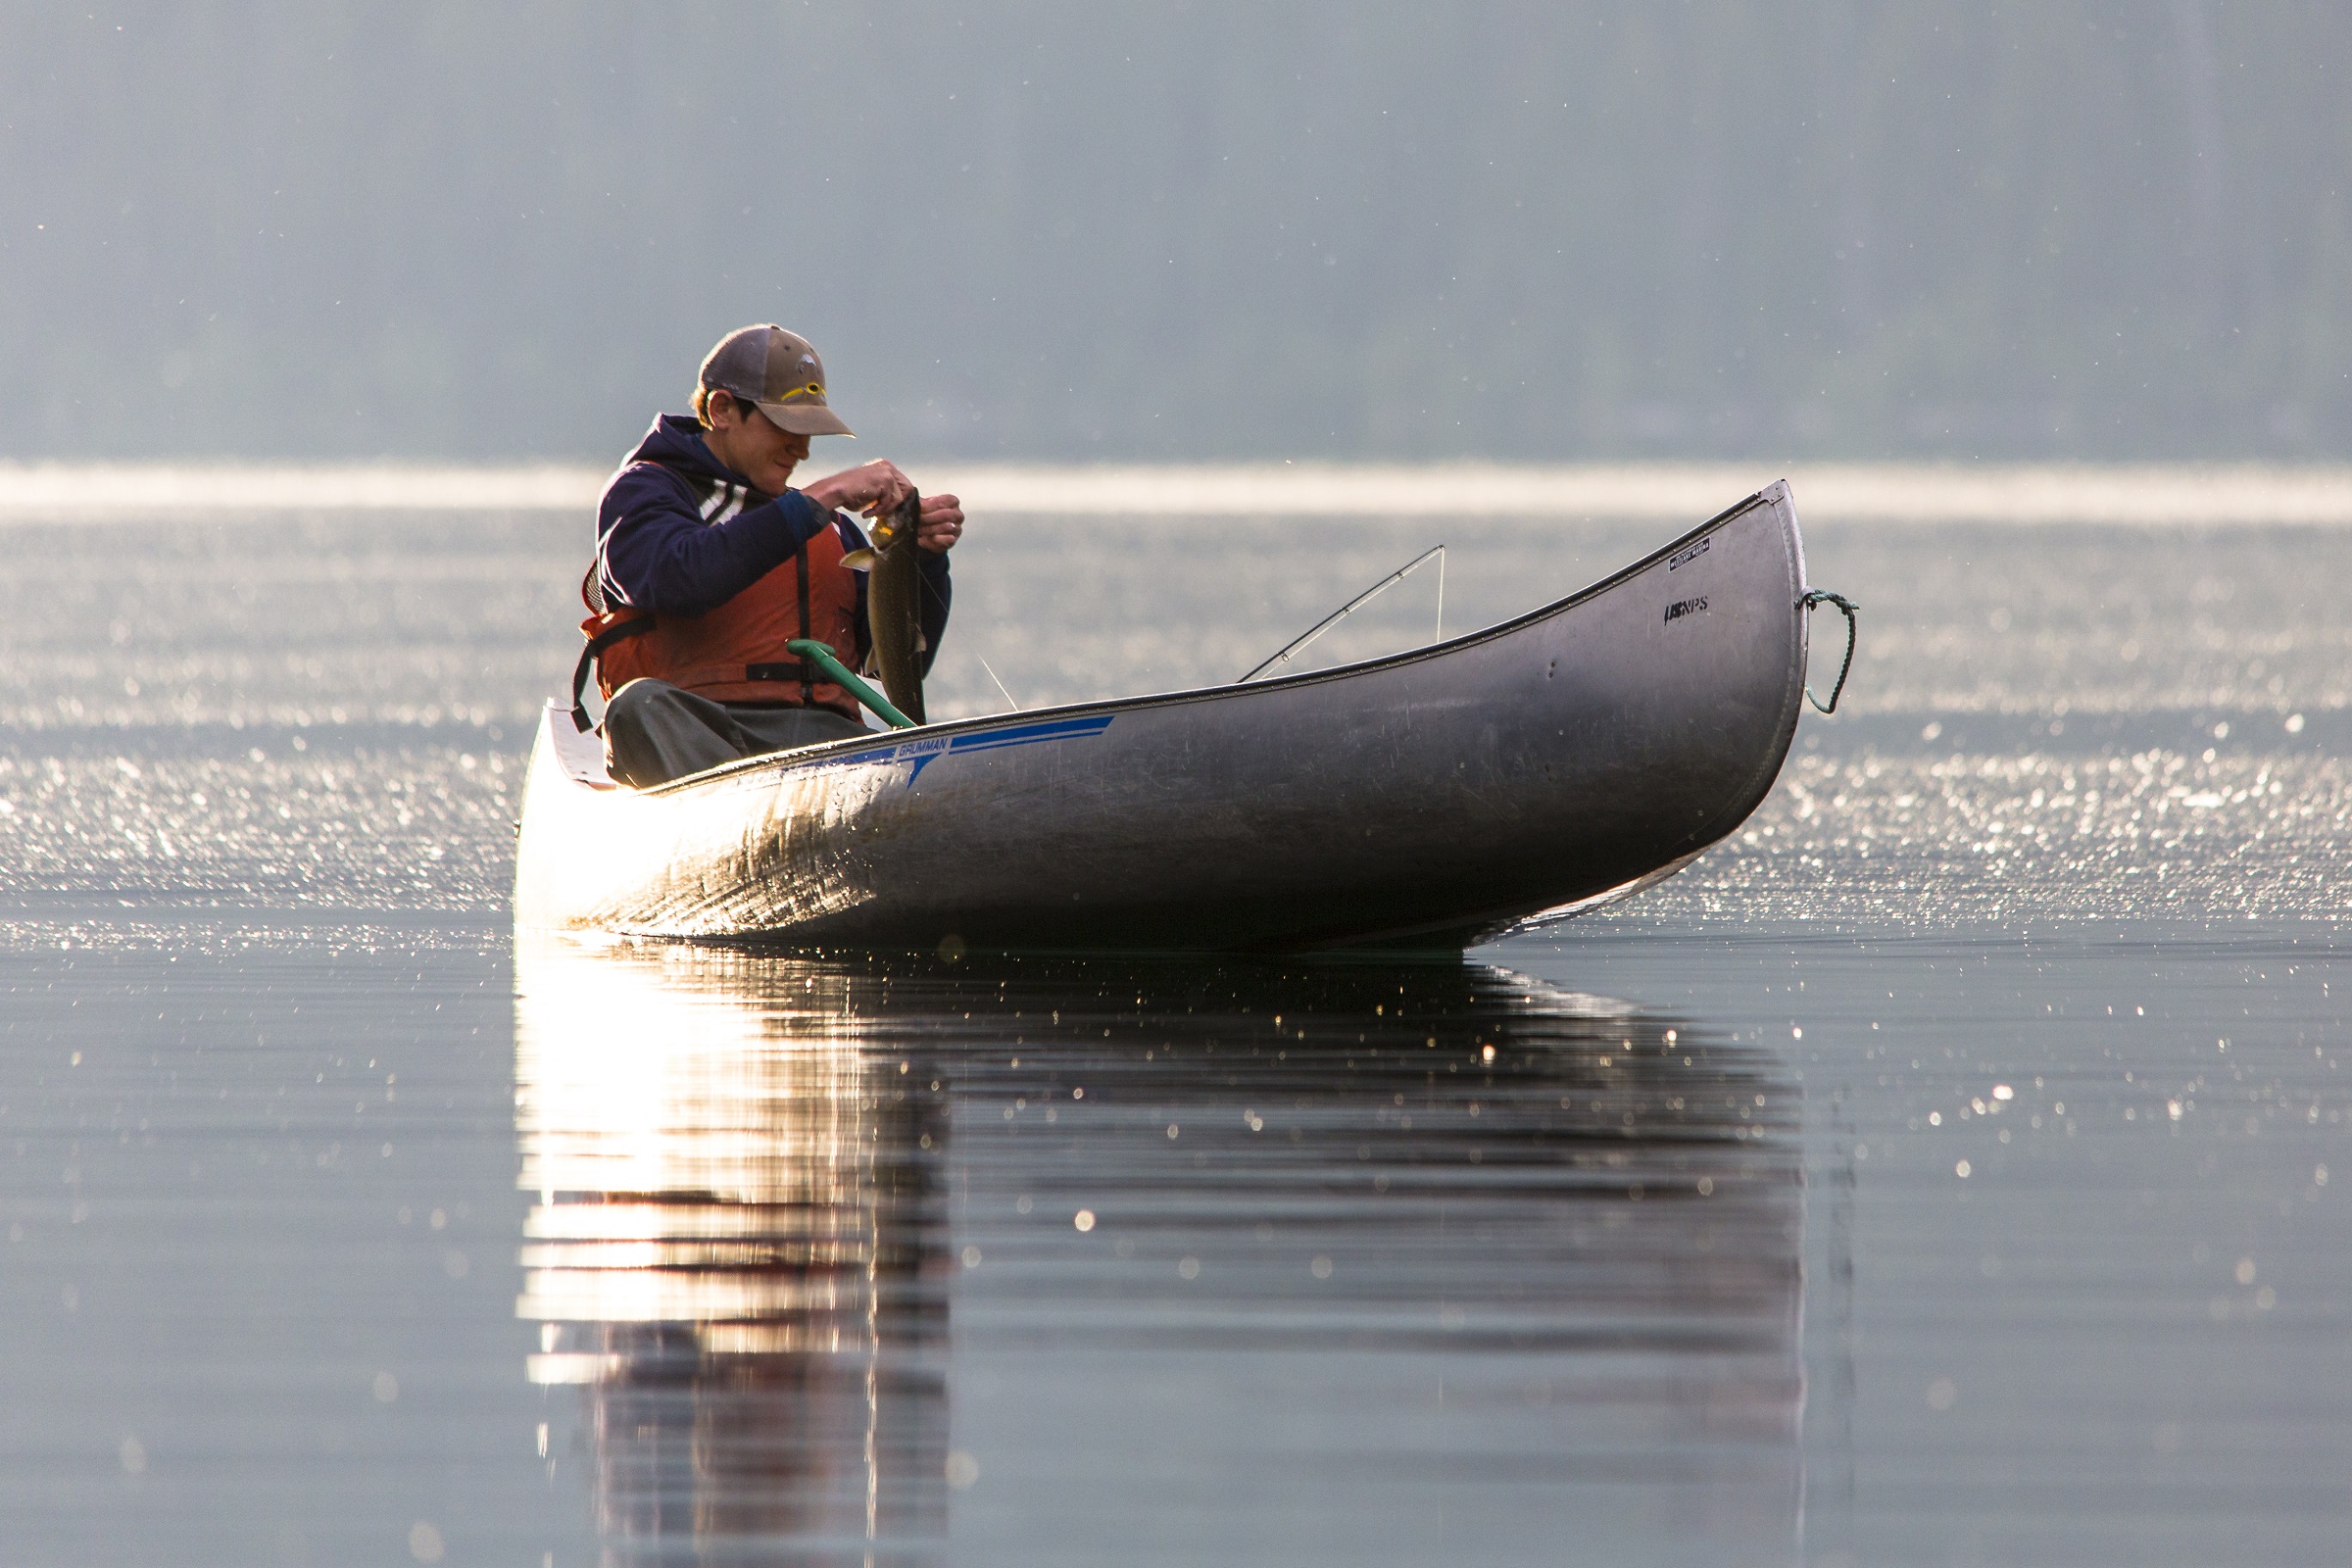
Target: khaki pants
{"x": 655, "y": 732}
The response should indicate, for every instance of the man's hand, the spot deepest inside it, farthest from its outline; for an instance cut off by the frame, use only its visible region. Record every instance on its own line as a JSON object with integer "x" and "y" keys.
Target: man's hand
{"x": 871, "y": 488}
{"x": 875, "y": 488}
{"x": 941, "y": 523}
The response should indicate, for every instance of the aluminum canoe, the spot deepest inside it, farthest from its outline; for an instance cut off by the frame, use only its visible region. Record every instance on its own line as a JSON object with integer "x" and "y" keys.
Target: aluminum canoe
{"x": 1431, "y": 799}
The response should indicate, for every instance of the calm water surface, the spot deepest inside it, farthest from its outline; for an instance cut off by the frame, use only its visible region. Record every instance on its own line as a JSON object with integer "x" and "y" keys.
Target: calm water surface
{"x": 1937, "y": 1172}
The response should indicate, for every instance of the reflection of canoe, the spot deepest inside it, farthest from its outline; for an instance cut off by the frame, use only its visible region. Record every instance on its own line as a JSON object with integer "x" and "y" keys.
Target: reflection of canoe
{"x": 1581, "y": 750}
{"x": 805, "y": 1232}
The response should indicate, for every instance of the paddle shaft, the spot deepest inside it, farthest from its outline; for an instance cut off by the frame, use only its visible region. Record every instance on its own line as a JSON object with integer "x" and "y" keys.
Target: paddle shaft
{"x": 838, "y": 673}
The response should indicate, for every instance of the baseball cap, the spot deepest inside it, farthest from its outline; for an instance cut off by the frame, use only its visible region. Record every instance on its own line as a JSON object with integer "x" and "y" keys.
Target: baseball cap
{"x": 779, "y": 371}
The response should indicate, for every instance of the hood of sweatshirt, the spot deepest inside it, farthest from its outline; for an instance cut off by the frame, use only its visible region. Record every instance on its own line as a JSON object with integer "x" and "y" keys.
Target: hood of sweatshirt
{"x": 676, "y": 442}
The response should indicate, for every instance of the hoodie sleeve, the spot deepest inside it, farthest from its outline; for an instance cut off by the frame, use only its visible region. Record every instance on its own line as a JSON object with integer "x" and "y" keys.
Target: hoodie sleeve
{"x": 937, "y": 592}
{"x": 655, "y": 552}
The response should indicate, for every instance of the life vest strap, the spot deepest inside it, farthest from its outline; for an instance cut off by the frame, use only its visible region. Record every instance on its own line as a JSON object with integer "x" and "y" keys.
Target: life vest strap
{"x": 634, "y": 627}
{"x": 703, "y": 679}
{"x": 807, "y": 670}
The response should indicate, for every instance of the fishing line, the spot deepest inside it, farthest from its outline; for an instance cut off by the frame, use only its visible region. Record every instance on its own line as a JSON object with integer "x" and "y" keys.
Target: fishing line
{"x": 940, "y": 599}
{"x": 1353, "y": 605}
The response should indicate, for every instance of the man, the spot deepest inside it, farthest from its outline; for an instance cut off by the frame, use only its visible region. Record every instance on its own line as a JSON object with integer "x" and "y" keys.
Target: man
{"x": 708, "y": 562}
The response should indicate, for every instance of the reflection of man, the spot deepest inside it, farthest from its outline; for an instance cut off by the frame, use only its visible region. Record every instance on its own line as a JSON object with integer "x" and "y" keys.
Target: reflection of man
{"x": 707, "y": 563}
{"x": 763, "y": 1355}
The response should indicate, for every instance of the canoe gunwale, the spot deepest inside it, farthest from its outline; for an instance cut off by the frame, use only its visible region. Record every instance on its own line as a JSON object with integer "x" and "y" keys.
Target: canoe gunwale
{"x": 851, "y": 749}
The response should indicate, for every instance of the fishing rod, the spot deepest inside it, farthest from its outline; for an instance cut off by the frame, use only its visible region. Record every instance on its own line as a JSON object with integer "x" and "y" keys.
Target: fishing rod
{"x": 1357, "y": 603}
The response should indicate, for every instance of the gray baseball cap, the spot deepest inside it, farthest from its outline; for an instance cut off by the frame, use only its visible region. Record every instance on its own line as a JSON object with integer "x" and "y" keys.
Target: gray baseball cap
{"x": 779, "y": 371}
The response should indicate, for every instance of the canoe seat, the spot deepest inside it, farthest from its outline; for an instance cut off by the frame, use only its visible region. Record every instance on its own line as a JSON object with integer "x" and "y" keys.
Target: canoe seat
{"x": 582, "y": 752}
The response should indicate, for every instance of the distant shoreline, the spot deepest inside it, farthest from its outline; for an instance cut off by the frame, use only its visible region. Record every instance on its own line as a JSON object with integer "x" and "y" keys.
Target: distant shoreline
{"x": 2131, "y": 494}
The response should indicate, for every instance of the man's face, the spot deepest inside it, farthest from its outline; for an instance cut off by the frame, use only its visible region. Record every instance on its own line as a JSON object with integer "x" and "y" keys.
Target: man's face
{"x": 754, "y": 446}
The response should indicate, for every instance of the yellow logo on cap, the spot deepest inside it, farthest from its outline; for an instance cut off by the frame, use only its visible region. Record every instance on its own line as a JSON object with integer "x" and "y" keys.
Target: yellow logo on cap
{"x": 815, "y": 389}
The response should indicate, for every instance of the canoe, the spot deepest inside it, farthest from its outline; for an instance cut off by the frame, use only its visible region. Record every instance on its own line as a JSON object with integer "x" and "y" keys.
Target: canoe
{"x": 1431, "y": 800}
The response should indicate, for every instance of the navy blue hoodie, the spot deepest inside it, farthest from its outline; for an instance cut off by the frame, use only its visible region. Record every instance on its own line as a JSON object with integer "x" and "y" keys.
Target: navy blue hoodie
{"x": 680, "y": 533}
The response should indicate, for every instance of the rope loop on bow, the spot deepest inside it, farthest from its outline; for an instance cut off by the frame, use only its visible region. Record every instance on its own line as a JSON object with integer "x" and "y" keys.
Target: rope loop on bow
{"x": 1853, "y": 632}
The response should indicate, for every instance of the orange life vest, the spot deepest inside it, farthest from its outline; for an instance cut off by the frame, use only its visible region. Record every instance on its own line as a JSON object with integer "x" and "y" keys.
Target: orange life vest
{"x": 736, "y": 652}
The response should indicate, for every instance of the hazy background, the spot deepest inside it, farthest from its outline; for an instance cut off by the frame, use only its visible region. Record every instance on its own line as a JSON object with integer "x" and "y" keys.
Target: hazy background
{"x": 1545, "y": 231}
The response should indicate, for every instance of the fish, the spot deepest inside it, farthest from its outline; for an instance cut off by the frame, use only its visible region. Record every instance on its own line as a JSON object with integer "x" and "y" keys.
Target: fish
{"x": 893, "y": 606}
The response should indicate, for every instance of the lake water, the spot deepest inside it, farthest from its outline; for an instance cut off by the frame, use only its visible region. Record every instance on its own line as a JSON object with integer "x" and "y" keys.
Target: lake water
{"x": 1938, "y": 1171}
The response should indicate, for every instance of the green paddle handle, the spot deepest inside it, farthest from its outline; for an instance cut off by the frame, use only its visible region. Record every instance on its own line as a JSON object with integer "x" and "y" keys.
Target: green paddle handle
{"x": 819, "y": 654}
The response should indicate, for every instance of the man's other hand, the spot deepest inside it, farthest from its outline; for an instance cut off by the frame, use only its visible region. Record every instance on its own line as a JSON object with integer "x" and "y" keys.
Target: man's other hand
{"x": 941, "y": 523}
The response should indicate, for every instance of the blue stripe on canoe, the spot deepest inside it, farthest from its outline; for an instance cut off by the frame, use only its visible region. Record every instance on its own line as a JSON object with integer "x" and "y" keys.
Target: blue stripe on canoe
{"x": 925, "y": 752}
{"x": 1023, "y": 734}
